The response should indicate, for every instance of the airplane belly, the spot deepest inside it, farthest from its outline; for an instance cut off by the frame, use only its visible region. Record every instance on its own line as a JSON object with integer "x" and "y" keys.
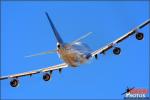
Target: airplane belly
{"x": 71, "y": 59}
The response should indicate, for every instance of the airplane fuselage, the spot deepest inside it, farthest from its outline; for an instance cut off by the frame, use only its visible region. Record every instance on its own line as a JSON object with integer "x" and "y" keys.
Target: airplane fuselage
{"x": 74, "y": 54}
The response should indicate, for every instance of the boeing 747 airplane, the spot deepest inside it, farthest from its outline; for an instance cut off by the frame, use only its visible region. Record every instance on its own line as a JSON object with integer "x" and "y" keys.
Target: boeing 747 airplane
{"x": 75, "y": 53}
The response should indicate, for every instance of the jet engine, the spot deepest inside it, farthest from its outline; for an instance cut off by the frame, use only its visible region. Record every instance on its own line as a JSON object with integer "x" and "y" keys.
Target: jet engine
{"x": 14, "y": 83}
{"x": 46, "y": 77}
{"x": 116, "y": 50}
{"x": 139, "y": 36}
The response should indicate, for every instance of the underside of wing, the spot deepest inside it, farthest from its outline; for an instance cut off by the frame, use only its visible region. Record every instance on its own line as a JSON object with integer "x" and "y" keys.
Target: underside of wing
{"x": 47, "y": 73}
{"x": 117, "y": 50}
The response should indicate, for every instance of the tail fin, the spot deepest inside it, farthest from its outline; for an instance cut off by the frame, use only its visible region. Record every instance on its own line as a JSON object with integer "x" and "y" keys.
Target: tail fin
{"x": 54, "y": 29}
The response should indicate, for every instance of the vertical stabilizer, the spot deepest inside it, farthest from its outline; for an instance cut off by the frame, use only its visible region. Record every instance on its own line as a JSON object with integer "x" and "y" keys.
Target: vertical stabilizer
{"x": 54, "y": 30}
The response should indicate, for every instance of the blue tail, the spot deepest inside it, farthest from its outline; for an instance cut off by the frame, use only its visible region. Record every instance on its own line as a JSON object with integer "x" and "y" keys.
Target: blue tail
{"x": 60, "y": 41}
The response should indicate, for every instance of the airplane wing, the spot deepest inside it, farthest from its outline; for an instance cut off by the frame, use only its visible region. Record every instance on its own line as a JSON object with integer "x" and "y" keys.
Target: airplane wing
{"x": 127, "y": 35}
{"x": 30, "y": 73}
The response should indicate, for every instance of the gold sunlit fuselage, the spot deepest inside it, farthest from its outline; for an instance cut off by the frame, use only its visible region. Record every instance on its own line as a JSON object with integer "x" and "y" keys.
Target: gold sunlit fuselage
{"x": 74, "y": 54}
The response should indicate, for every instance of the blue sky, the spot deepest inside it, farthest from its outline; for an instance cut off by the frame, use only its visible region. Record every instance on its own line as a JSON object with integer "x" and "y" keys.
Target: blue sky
{"x": 25, "y": 30}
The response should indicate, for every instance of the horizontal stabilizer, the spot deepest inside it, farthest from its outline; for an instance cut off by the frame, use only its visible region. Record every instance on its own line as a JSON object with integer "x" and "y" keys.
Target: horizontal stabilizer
{"x": 82, "y": 37}
{"x": 42, "y": 53}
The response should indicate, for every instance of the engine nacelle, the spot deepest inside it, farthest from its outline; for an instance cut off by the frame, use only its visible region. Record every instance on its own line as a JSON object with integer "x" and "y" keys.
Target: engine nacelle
{"x": 46, "y": 77}
{"x": 116, "y": 50}
{"x": 14, "y": 83}
{"x": 139, "y": 36}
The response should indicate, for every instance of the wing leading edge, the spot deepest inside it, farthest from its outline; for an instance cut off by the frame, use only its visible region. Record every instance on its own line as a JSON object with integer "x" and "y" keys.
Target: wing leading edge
{"x": 30, "y": 73}
{"x": 112, "y": 44}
